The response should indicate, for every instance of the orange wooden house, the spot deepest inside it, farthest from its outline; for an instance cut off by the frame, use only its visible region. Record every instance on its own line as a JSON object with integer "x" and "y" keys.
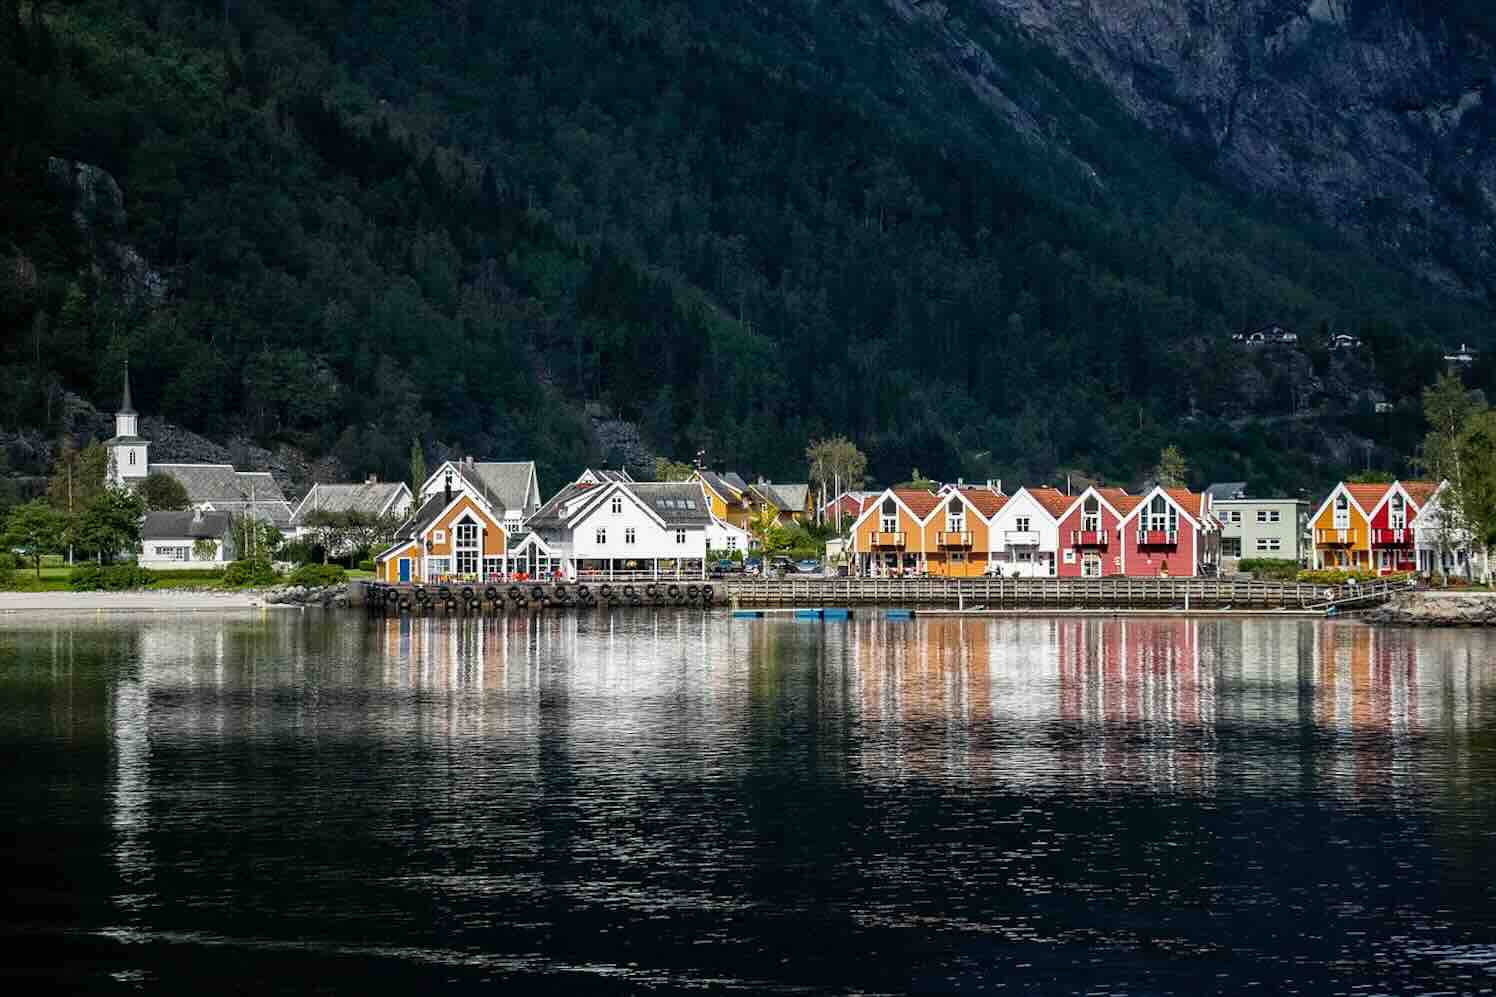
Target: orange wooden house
{"x": 1368, "y": 526}
{"x": 912, "y": 532}
{"x": 452, "y": 537}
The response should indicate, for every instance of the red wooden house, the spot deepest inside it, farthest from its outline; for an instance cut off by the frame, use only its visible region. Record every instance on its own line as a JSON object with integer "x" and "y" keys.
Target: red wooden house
{"x": 1170, "y": 532}
{"x": 1391, "y": 526}
{"x": 1090, "y": 533}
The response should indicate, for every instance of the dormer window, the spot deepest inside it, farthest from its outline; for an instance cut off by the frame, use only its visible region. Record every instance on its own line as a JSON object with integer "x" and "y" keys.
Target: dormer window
{"x": 617, "y": 505}
{"x": 1161, "y": 515}
{"x": 889, "y": 516}
{"x": 1090, "y": 515}
{"x": 1397, "y": 518}
{"x": 1342, "y": 512}
{"x": 955, "y": 517}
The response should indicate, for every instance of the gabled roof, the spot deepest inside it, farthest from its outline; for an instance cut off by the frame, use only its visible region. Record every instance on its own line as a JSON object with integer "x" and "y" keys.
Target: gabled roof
{"x": 551, "y": 513}
{"x": 727, "y": 489}
{"x": 1052, "y": 501}
{"x": 1192, "y": 505}
{"x": 794, "y": 494}
{"x": 504, "y": 485}
{"x": 228, "y": 490}
{"x": 372, "y": 498}
{"x": 1367, "y": 496}
{"x": 1420, "y": 491}
{"x": 919, "y": 504}
{"x": 189, "y": 525}
{"x": 678, "y": 503}
{"x": 985, "y": 501}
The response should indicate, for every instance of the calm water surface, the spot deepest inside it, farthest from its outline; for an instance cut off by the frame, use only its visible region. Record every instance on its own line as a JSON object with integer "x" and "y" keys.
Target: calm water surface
{"x": 660, "y": 801}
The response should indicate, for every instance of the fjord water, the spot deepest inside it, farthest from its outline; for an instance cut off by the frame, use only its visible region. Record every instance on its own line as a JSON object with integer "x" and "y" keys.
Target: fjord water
{"x": 663, "y": 801}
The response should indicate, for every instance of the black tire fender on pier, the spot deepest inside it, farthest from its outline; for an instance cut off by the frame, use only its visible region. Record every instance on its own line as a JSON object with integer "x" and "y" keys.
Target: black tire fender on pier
{"x": 491, "y": 594}
{"x": 606, "y": 592}
{"x": 707, "y": 595}
{"x": 538, "y": 593}
{"x": 693, "y": 593}
{"x": 673, "y": 591}
{"x": 515, "y": 593}
{"x": 468, "y": 594}
{"x": 652, "y": 590}
{"x": 444, "y": 594}
{"x": 421, "y": 595}
{"x": 584, "y": 593}
{"x": 560, "y": 593}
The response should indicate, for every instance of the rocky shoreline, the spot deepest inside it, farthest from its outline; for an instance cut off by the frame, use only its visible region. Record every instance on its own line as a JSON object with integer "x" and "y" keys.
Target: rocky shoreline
{"x": 1437, "y": 609}
{"x": 326, "y": 597}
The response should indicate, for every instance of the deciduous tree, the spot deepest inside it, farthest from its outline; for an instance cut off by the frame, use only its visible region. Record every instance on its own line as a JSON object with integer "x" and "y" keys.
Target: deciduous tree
{"x": 32, "y": 530}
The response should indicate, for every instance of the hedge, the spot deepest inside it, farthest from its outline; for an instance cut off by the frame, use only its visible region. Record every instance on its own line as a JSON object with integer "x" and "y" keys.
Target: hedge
{"x": 1269, "y": 568}
{"x": 1329, "y": 576}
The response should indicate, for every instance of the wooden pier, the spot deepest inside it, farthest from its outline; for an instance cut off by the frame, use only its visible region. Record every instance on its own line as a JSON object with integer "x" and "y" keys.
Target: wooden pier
{"x": 475, "y": 598}
{"x": 1058, "y": 593}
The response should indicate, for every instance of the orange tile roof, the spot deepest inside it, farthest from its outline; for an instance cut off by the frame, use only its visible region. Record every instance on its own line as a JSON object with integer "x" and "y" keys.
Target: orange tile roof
{"x": 919, "y": 502}
{"x": 985, "y": 500}
{"x": 1053, "y": 501}
{"x": 1125, "y": 503}
{"x": 1191, "y": 502}
{"x": 1367, "y": 496}
{"x": 1420, "y": 491}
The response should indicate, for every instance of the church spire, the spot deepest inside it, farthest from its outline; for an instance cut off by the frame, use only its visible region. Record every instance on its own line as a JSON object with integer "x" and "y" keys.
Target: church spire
{"x": 125, "y": 408}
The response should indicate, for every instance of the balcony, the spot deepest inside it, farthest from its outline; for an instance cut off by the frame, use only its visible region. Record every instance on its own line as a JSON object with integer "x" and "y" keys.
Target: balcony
{"x": 1158, "y": 538}
{"x": 1334, "y": 538}
{"x": 1021, "y": 538}
{"x": 895, "y": 539}
{"x": 953, "y": 538}
{"x": 1392, "y": 538}
{"x": 1088, "y": 538}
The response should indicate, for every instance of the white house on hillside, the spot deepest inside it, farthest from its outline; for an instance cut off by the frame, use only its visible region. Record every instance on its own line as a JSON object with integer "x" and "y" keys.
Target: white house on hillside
{"x": 624, "y": 528}
{"x": 511, "y": 489}
{"x": 191, "y": 539}
{"x": 1025, "y": 533}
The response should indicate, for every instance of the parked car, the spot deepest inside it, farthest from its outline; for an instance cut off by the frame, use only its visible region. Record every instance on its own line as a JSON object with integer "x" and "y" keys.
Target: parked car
{"x": 809, "y": 566}
{"x": 727, "y": 566}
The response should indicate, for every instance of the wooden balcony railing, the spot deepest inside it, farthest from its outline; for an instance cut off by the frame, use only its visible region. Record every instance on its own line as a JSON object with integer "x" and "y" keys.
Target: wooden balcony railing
{"x": 1088, "y": 538}
{"x": 953, "y": 538}
{"x": 1157, "y": 538}
{"x": 884, "y": 539}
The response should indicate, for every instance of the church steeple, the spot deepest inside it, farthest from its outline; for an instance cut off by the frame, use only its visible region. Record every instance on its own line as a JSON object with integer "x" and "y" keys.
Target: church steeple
{"x": 125, "y": 408}
{"x": 129, "y": 454}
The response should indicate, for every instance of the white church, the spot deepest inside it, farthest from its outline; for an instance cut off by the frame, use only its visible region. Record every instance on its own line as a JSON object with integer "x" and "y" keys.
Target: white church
{"x": 210, "y": 487}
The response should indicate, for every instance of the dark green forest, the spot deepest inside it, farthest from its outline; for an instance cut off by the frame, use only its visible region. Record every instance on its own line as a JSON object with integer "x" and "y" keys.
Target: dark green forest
{"x": 741, "y": 226}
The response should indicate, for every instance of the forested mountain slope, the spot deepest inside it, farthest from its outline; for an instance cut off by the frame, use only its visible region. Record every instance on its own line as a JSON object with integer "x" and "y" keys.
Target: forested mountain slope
{"x": 346, "y": 224}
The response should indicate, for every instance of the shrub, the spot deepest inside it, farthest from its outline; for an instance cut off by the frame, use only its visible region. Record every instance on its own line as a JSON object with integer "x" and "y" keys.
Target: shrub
{"x": 366, "y": 565}
{"x": 1269, "y": 569}
{"x": 317, "y": 575}
{"x": 240, "y": 574}
{"x": 109, "y": 577}
{"x": 1329, "y": 576}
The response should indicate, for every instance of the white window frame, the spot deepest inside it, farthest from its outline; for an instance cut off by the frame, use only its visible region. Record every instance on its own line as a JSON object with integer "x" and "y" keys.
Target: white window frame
{"x": 601, "y": 536}
{"x": 1269, "y": 544}
{"x": 629, "y": 535}
{"x": 680, "y": 536}
{"x": 617, "y": 505}
{"x": 732, "y": 541}
{"x": 1069, "y": 555}
{"x": 438, "y": 536}
{"x": 1021, "y": 524}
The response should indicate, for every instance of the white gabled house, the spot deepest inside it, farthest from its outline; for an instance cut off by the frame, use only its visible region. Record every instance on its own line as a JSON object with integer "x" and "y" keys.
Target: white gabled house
{"x": 509, "y": 488}
{"x": 1025, "y": 533}
{"x": 1444, "y": 548}
{"x": 617, "y": 528}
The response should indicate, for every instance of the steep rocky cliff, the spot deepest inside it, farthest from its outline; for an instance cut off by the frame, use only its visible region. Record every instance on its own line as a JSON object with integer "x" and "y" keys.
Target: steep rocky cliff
{"x": 1378, "y": 113}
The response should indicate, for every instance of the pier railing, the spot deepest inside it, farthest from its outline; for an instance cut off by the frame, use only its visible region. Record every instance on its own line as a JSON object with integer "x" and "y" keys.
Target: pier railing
{"x": 1058, "y": 593}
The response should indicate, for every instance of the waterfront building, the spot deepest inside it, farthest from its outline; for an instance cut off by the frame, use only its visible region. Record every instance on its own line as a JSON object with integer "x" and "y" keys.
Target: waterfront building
{"x": 209, "y": 487}
{"x": 889, "y": 537}
{"x": 1089, "y": 533}
{"x": 371, "y": 498}
{"x": 727, "y": 495}
{"x": 509, "y": 488}
{"x": 957, "y": 534}
{"x": 1170, "y": 532}
{"x": 454, "y": 536}
{"x": 1368, "y": 526}
{"x": 1444, "y": 548}
{"x": 1256, "y": 527}
{"x": 190, "y": 539}
{"x": 1025, "y": 534}
{"x": 629, "y": 529}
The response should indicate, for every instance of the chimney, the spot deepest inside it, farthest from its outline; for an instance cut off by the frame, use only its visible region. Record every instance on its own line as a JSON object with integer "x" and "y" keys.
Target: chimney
{"x": 197, "y": 516}
{"x": 373, "y": 479}
{"x": 960, "y": 482}
{"x": 468, "y": 460}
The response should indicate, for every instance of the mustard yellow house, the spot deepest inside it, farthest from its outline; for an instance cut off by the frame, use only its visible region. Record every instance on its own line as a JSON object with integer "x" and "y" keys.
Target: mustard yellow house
{"x": 452, "y": 537}
{"x": 728, "y": 496}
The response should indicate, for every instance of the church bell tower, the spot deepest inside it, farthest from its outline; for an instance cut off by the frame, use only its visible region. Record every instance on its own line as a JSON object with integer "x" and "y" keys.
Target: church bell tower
{"x": 129, "y": 459}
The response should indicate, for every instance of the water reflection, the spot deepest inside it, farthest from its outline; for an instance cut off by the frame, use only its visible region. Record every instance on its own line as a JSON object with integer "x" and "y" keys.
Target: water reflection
{"x": 646, "y": 800}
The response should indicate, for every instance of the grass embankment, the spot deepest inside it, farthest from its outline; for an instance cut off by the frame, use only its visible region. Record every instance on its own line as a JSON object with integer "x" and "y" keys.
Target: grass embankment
{"x": 56, "y": 575}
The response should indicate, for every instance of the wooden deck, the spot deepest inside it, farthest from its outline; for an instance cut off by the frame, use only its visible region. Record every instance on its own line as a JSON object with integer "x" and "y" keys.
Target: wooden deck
{"x": 1055, "y": 593}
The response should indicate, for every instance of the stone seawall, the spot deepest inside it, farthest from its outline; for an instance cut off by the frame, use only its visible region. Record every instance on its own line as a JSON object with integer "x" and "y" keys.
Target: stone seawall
{"x": 1437, "y": 609}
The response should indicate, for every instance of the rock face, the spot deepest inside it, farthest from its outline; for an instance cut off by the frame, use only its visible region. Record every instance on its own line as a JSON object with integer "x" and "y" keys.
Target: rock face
{"x": 1437, "y": 609}
{"x": 1379, "y": 113}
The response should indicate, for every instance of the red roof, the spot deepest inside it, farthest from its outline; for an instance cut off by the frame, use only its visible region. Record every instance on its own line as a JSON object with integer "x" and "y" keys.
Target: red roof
{"x": 1125, "y": 503}
{"x": 919, "y": 502}
{"x": 1367, "y": 496}
{"x": 1193, "y": 503}
{"x": 1053, "y": 501}
{"x": 984, "y": 500}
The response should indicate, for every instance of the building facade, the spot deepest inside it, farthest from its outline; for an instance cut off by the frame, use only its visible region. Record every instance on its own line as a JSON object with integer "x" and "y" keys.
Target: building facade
{"x": 1260, "y": 528}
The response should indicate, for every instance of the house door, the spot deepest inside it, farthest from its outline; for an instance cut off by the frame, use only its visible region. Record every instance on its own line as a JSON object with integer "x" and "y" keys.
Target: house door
{"x": 1090, "y": 565}
{"x": 404, "y": 569}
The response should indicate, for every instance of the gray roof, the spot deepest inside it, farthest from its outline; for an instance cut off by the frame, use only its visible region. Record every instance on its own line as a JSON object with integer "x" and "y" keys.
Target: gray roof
{"x": 678, "y": 503}
{"x": 792, "y": 496}
{"x": 736, "y": 480}
{"x": 368, "y": 497}
{"x": 228, "y": 490}
{"x": 504, "y": 485}
{"x": 1227, "y": 490}
{"x": 550, "y": 513}
{"x": 190, "y": 525}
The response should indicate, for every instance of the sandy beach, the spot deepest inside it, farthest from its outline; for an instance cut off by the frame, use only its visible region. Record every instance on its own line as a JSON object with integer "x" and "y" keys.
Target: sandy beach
{"x": 165, "y": 601}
